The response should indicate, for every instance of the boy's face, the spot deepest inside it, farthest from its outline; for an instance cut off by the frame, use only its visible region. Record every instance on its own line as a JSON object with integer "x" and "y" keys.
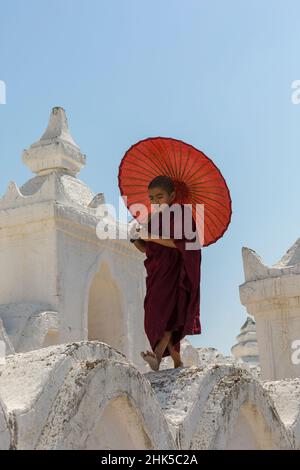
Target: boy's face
{"x": 161, "y": 196}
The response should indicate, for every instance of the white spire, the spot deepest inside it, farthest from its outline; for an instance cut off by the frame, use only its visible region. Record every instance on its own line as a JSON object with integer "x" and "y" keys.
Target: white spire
{"x": 58, "y": 127}
{"x": 56, "y": 148}
{"x": 246, "y": 348}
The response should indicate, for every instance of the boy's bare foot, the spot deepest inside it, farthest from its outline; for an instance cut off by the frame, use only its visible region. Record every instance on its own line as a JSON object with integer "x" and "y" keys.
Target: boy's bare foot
{"x": 178, "y": 364}
{"x": 152, "y": 359}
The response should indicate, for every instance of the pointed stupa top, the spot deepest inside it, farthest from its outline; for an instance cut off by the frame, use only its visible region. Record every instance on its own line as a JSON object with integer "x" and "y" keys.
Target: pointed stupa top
{"x": 56, "y": 148}
{"x": 249, "y": 325}
{"x": 246, "y": 348}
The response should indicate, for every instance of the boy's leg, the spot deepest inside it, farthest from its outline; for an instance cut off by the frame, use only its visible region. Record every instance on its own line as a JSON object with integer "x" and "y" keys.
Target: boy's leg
{"x": 175, "y": 355}
{"x": 154, "y": 358}
{"x": 162, "y": 344}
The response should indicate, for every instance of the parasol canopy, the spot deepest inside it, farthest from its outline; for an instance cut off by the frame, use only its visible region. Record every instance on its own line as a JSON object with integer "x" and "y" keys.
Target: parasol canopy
{"x": 196, "y": 178}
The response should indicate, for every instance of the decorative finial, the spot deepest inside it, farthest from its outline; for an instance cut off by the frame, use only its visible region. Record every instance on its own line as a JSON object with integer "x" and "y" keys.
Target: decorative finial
{"x": 56, "y": 148}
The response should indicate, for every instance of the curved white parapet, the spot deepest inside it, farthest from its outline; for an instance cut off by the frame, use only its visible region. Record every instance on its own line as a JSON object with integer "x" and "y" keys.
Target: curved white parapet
{"x": 286, "y": 397}
{"x": 27, "y": 325}
{"x": 86, "y": 395}
{"x": 69, "y": 396}
{"x": 41, "y": 330}
{"x": 56, "y": 186}
{"x": 219, "y": 407}
{"x": 105, "y": 404}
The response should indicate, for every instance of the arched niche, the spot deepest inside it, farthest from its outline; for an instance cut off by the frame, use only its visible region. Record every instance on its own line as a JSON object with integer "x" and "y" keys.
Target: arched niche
{"x": 105, "y": 316}
{"x": 51, "y": 338}
{"x": 251, "y": 430}
{"x": 119, "y": 426}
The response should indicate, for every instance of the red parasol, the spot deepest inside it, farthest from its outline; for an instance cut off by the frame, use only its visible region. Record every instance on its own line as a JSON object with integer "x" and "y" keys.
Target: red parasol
{"x": 196, "y": 178}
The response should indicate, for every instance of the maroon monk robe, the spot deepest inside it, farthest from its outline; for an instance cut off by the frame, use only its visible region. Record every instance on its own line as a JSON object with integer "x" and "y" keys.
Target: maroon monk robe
{"x": 172, "y": 300}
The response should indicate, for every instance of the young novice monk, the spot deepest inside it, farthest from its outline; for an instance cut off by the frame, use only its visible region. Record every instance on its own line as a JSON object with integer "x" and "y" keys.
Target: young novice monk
{"x": 172, "y": 301}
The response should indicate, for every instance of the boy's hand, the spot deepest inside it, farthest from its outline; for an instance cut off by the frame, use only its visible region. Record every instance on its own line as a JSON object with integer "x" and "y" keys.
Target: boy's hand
{"x": 134, "y": 228}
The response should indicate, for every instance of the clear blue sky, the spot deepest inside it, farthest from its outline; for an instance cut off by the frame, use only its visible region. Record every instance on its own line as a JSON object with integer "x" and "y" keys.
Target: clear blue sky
{"x": 216, "y": 74}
